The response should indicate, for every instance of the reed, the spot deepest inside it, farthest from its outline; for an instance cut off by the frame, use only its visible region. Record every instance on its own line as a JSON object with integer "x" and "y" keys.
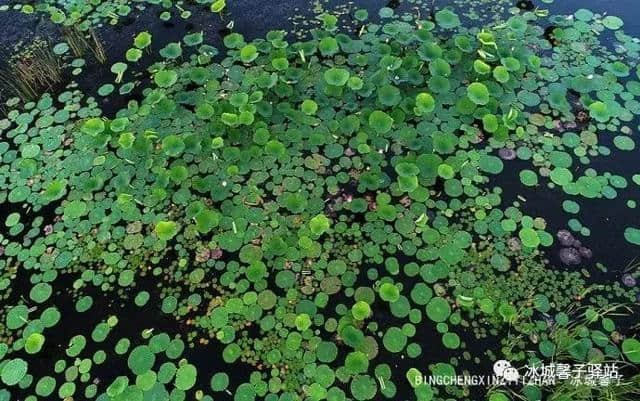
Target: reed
{"x": 82, "y": 41}
{"x": 30, "y": 71}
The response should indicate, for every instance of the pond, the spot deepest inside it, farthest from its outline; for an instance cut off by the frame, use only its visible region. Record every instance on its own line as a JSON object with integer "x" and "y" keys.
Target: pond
{"x": 319, "y": 200}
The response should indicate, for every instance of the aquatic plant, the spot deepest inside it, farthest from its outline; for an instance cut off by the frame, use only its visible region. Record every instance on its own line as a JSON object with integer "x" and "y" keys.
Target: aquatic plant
{"x": 32, "y": 70}
{"x": 312, "y": 211}
{"x": 83, "y": 41}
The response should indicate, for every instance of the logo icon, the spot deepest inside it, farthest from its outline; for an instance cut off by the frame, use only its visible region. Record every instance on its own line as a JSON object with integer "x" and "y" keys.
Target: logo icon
{"x": 503, "y": 369}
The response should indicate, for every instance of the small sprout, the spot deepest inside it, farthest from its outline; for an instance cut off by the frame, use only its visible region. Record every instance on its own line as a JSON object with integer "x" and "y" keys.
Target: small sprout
{"x": 119, "y": 69}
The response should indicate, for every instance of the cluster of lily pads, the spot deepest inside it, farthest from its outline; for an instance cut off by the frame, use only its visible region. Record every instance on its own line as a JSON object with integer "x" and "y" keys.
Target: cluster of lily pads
{"x": 84, "y": 14}
{"x": 319, "y": 219}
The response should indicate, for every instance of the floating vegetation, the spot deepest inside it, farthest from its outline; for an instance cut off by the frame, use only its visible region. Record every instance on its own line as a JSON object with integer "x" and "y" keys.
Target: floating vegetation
{"x": 335, "y": 214}
{"x": 86, "y": 16}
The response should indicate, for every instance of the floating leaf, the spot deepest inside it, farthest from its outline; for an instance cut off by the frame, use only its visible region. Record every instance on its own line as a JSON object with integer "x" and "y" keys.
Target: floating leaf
{"x": 207, "y": 220}
{"x": 193, "y": 39}
{"x": 309, "y": 107}
{"x": 93, "y": 126}
{"x": 218, "y": 6}
{"x": 165, "y": 78}
{"x": 336, "y": 76}
{"x": 380, "y": 121}
{"x": 141, "y": 359}
{"x": 599, "y": 111}
{"x": 185, "y": 377}
{"x": 363, "y": 387}
{"x": 171, "y": 51}
{"x": 447, "y": 19}
{"x": 319, "y": 224}
{"x": 394, "y": 339}
{"x": 166, "y": 230}
{"x": 632, "y": 235}
{"x": 425, "y": 103}
{"x": 389, "y": 292}
{"x": 219, "y": 381}
{"x": 529, "y": 237}
{"x": 142, "y": 40}
{"x": 34, "y": 343}
{"x": 361, "y": 310}
{"x": 13, "y": 371}
{"x": 438, "y": 309}
{"x": 612, "y": 22}
{"x": 631, "y": 349}
{"x": 478, "y": 93}
{"x": 248, "y": 53}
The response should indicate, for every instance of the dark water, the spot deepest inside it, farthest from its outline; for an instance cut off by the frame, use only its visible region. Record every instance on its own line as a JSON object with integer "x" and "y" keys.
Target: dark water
{"x": 606, "y": 219}
{"x": 628, "y": 10}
